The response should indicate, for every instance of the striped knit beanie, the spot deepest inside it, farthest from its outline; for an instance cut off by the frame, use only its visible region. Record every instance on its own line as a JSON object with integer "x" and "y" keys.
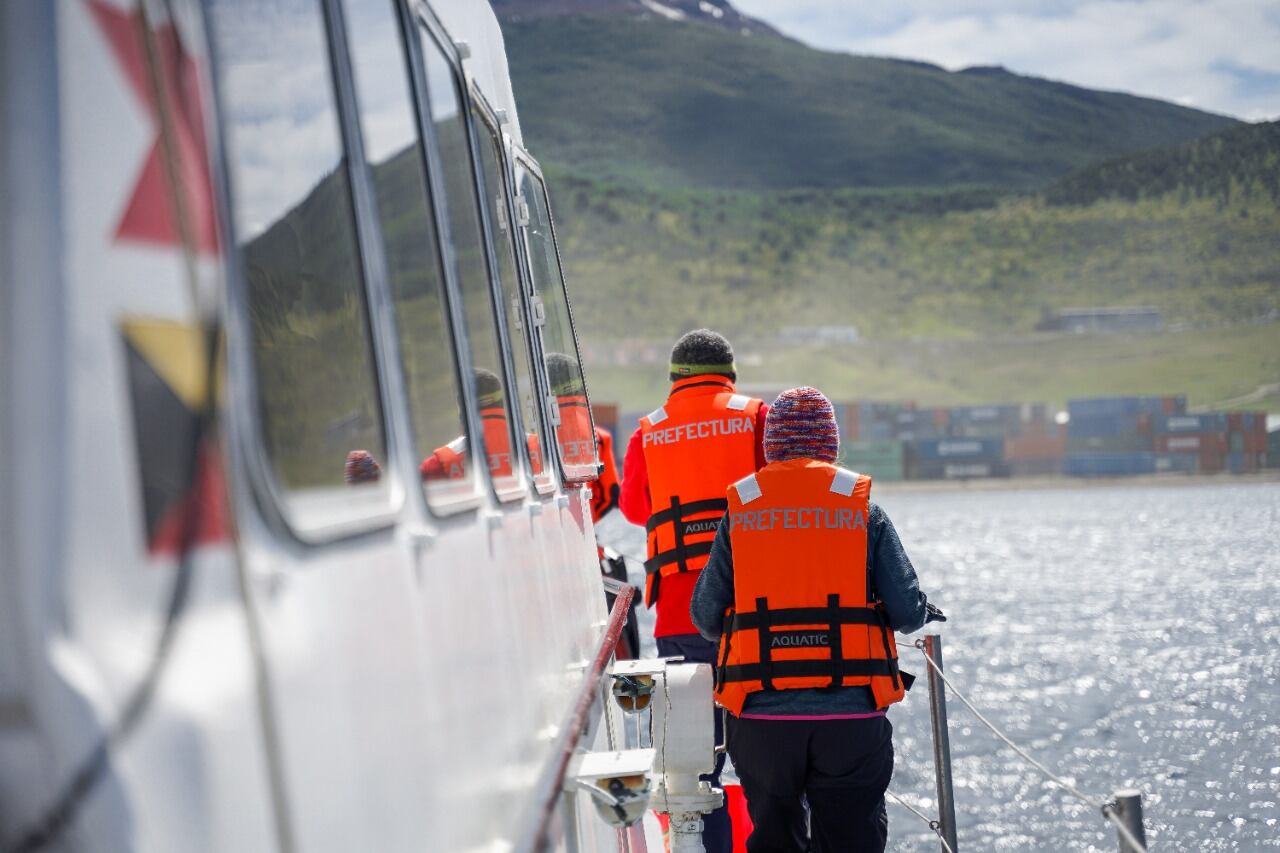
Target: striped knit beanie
{"x": 700, "y": 352}
{"x": 801, "y": 424}
{"x": 361, "y": 467}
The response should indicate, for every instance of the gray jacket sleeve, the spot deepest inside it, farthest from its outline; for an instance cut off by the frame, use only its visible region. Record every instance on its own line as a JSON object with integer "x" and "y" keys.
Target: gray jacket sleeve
{"x": 892, "y": 575}
{"x": 713, "y": 593}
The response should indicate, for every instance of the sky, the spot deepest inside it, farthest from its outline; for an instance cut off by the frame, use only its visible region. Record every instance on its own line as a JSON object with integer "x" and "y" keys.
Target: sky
{"x": 1217, "y": 55}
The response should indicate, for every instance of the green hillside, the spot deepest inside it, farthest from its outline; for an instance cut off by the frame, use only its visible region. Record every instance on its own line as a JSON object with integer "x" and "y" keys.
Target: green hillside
{"x": 946, "y": 287}
{"x": 1244, "y": 159}
{"x": 900, "y": 265}
{"x": 682, "y": 104}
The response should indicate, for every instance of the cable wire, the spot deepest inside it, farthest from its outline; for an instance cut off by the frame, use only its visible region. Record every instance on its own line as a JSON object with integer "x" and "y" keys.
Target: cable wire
{"x": 933, "y": 824}
{"x": 1107, "y": 808}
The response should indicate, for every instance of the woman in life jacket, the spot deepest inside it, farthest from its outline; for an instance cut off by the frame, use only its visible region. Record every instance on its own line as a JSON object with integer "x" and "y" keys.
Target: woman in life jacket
{"x": 805, "y": 589}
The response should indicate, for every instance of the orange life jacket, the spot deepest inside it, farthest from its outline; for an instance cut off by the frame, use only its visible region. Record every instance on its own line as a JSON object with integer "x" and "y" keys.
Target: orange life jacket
{"x": 804, "y": 613}
{"x": 605, "y": 488}
{"x": 497, "y": 441}
{"x": 577, "y": 438}
{"x": 696, "y": 444}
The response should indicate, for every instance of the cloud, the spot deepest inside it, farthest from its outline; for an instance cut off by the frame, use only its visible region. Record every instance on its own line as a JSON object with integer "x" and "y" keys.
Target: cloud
{"x": 1217, "y": 55}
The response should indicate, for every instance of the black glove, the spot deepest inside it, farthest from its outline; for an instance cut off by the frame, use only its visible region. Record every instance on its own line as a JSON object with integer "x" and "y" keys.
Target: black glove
{"x": 933, "y": 614}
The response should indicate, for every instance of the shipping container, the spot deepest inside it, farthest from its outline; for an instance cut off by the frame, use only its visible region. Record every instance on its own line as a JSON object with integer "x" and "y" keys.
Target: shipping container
{"x": 1244, "y": 463}
{"x": 938, "y": 469}
{"x": 1177, "y": 463}
{"x": 977, "y": 449}
{"x": 1109, "y": 464}
{"x": 869, "y": 447}
{"x": 1044, "y": 467}
{"x": 1123, "y": 443}
{"x": 1190, "y": 442}
{"x": 1209, "y": 422}
{"x": 883, "y": 468}
{"x": 1155, "y": 406}
{"x": 1033, "y": 446}
{"x": 1114, "y": 424}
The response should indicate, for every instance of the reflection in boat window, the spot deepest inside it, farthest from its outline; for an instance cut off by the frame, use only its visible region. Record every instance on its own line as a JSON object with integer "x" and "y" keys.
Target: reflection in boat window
{"x": 495, "y": 195}
{"x": 575, "y": 435}
{"x": 473, "y": 275}
{"x": 392, "y": 147}
{"x": 291, "y": 205}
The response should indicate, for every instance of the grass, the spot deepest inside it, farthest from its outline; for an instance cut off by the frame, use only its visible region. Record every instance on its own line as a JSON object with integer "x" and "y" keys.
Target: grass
{"x": 1208, "y": 365}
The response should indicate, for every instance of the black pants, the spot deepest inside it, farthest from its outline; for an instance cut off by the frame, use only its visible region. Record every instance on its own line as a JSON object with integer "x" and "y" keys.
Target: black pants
{"x": 841, "y": 768}
{"x": 717, "y": 831}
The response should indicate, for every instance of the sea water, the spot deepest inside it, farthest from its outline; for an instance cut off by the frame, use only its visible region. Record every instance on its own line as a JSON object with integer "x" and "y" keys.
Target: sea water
{"x": 1124, "y": 635}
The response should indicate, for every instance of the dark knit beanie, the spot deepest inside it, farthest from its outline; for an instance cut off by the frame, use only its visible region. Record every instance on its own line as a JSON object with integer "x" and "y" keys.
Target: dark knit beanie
{"x": 488, "y": 388}
{"x": 361, "y": 467}
{"x": 700, "y": 352}
{"x": 801, "y": 424}
{"x": 563, "y": 375}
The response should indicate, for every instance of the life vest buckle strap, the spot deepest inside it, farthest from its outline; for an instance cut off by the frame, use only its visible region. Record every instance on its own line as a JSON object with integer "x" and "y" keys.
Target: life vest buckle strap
{"x": 766, "y": 643}
{"x": 666, "y": 558}
{"x": 679, "y": 511}
{"x": 808, "y": 668}
{"x": 835, "y": 639}
{"x": 785, "y": 616}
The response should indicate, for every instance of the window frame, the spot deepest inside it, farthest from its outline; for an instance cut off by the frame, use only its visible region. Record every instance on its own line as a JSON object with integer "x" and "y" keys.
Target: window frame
{"x": 532, "y": 341}
{"x": 418, "y": 20}
{"x": 243, "y": 404}
{"x": 578, "y": 475}
{"x": 470, "y": 494}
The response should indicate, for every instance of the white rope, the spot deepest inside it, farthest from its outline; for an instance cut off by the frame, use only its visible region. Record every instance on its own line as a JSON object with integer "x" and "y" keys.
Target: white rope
{"x": 936, "y": 826}
{"x": 1107, "y": 808}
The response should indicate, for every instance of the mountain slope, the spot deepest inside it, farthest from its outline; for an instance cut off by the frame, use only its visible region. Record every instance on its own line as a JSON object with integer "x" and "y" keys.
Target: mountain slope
{"x": 679, "y": 103}
{"x": 1243, "y": 159}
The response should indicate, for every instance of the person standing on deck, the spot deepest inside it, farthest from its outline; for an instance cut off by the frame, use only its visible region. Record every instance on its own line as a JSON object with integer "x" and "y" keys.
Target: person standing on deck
{"x": 806, "y": 584}
{"x": 677, "y": 466}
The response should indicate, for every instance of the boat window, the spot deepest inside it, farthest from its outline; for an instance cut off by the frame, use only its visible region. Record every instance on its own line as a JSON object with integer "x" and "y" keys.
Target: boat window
{"x": 320, "y": 419}
{"x": 459, "y": 190}
{"x": 575, "y": 434}
{"x": 393, "y": 149}
{"x": 496, "y": 195}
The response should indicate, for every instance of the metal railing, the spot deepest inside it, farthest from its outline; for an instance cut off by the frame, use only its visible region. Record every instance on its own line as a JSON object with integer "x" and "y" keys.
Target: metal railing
{"x": 550, "y": 789}
{"x": 1124, "y": 810}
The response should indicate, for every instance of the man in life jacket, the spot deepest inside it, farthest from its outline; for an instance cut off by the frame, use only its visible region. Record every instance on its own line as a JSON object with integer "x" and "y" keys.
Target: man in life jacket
{"x": 805, "y": 588}
{"x": 575, "y": 421}
{"x": 450, "y": 461}
{"x": 677, "y": 466}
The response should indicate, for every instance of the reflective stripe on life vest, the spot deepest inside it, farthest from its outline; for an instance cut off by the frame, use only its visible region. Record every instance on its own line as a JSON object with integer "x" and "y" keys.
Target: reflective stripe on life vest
{"x": 803, "y": 614}
{"x": 697, "y": 443}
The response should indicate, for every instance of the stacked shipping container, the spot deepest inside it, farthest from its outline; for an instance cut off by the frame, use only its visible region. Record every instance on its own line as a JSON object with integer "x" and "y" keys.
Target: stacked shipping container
{"x": 1114, "y": 436}
{"x": 1103, "y": 437}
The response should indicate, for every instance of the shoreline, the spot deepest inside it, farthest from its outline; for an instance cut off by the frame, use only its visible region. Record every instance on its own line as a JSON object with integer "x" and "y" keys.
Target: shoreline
{"x": 1061, "y": 481}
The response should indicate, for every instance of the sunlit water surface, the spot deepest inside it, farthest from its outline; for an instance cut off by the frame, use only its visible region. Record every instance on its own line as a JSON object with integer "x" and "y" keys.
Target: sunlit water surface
{"x": 1125, "y": 636}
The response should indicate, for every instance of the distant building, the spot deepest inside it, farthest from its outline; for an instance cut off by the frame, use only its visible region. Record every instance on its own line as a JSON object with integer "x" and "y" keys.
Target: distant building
{"x": 818, "y": 335}
{"x": 1084, "y": 320}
